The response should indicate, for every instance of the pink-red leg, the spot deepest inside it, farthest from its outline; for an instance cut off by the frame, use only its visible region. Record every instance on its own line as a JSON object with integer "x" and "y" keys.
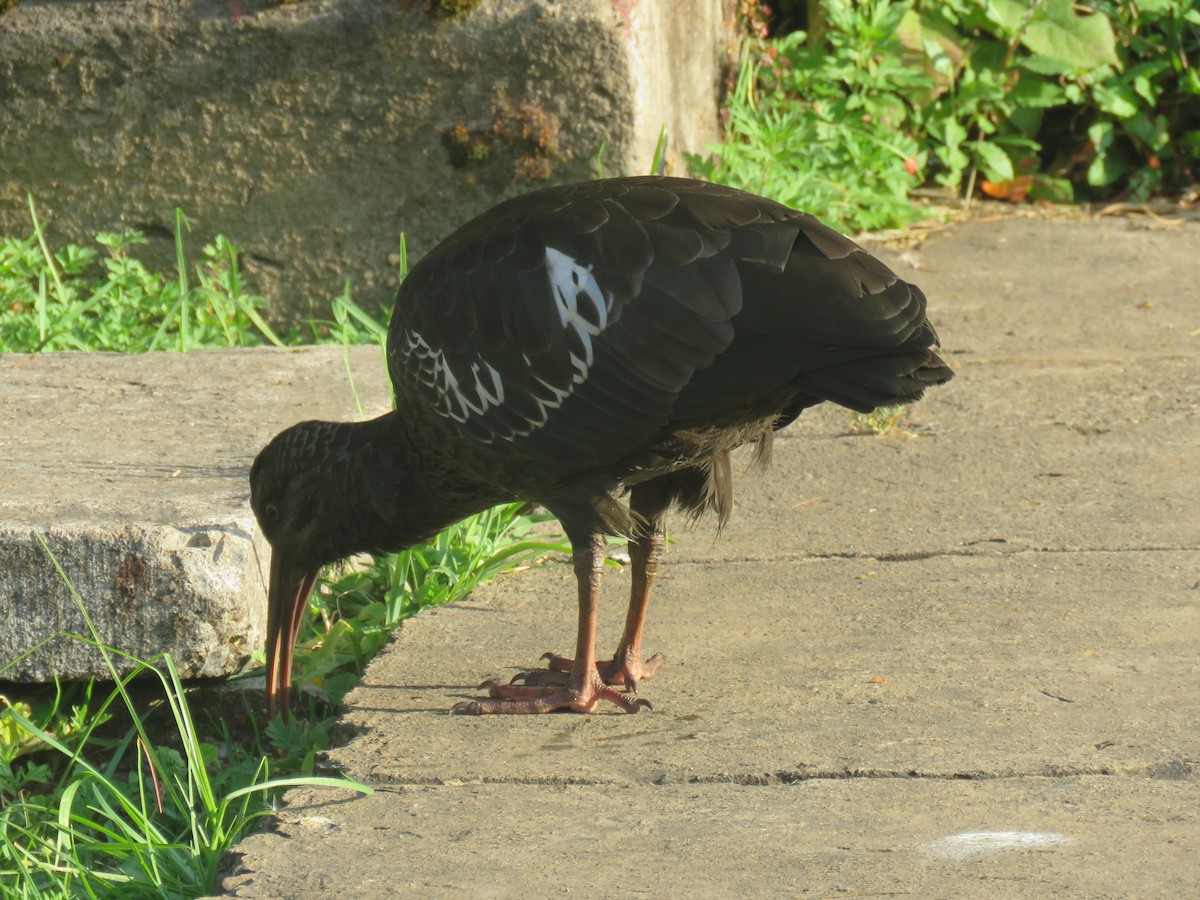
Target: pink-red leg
{"x": 627, "y": 667}
{"x": 584, "y": 688}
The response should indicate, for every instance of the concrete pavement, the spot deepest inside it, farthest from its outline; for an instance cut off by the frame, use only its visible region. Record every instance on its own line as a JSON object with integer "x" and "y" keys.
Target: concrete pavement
{"x": 962, "y": 660}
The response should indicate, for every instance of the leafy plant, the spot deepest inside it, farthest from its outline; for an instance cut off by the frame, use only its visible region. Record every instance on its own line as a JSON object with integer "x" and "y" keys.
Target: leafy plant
{"x": 51, "y": 302}
{"x": 821, "y": 128}
{"x": 1045, "y": 99}
{"x": 1143, "y": 123}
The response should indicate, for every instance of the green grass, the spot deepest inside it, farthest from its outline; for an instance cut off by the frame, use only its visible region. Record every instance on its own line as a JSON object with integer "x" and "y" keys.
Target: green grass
{"x": 120, "y": 791}
{"x": 104, "y": 298}
{"x": 822, "y": 137}
{"x": 80, "y": 298}
{"x": 145, "y": 819}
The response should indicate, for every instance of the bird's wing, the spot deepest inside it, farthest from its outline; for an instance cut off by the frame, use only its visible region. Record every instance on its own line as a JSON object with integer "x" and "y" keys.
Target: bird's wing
{"x": 571, "y": 320}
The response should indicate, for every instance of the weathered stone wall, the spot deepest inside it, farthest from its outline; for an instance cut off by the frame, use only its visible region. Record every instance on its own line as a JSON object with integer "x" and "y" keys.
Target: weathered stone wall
{"x": 314, "y": 133}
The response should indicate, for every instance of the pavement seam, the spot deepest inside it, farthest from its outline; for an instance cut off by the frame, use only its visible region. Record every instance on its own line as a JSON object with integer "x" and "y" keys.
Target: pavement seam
{"x": 1175, "y": 771}
{"x": 916, "y": 555}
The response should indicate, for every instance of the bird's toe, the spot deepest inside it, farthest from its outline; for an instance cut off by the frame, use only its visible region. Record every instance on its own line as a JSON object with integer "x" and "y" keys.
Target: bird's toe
{"x": 625, "y": 670}
{"x": 525, "y": 699}
{"x": 541, "y": 677}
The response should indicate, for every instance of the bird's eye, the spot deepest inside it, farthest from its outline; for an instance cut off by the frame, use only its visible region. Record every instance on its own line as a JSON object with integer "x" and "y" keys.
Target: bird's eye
{"x": 270, "y": 513}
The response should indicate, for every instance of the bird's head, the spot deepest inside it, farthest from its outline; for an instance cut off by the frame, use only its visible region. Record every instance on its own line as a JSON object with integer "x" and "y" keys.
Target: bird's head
{"x": 300, "y": 494}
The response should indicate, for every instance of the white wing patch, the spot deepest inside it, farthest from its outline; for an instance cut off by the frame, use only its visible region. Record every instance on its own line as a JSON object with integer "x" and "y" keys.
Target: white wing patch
{"x": 454, "y": 402}
{"x": 583, "y": 309}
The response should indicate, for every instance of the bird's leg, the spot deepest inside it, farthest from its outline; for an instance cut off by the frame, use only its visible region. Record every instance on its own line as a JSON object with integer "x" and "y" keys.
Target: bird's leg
{"x": 627, "y": 667}
{"x": 584, "y": 688}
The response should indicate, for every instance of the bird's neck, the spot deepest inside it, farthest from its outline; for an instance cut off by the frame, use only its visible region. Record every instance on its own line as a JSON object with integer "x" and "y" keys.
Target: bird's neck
{"x": 415, "y": 482}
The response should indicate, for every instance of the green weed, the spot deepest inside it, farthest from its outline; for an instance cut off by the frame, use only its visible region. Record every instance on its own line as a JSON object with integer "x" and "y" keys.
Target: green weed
{"x": 823, "y": 133}
{"x": 57, "y": 300}
{"x": 150, "y": 821}
{"x": 882, "y": 420}
{"x": 1045, "y": 100}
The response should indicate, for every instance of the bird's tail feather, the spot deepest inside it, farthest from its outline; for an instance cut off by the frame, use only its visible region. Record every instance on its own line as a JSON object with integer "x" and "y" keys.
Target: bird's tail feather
{"x": 864, "y": 385}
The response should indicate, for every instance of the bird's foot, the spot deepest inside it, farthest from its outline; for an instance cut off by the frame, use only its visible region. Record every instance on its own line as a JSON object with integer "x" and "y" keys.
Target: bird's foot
{"x": 525, "y": 699}
{"x": 623, "y": 671}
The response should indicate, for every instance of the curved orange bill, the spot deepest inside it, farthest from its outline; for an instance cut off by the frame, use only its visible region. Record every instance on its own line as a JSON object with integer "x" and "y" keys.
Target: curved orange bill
{"x": 287, "y": 599}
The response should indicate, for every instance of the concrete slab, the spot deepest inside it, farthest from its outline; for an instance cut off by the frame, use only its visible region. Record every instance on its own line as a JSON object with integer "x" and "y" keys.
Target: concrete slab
{"x": 988, "y": 624}
{"x": 851, "y": 837}
{"x": 984, "y": 666}
{"x": 134, "y": 470}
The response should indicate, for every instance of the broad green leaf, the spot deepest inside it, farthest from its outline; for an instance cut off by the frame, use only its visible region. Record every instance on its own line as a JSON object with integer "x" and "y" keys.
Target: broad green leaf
{"x": 1080, "y": 41}
{"x": 1118, "y": 100}
{"x": 909, "y": 31}
{"x": 1148, "y": 69}
{"x": 1045, "y": 65}
{"x": 1154, "y": 133}
{"x": 941, "y": 46}
{"x": 1037, "y": 91}
{"x": 1145, "y": 88}
{"x": 995, "y": 162}
{"x": 1056, "y": 190}
{"x": 1010, "y": 15}
{"x": 1025, "y": 120}
{"x": 954, "y": 133}
{"x": 1101, "y": 135}
{"x": 1105, "y": 169}
{"x": 1016, "y": 141}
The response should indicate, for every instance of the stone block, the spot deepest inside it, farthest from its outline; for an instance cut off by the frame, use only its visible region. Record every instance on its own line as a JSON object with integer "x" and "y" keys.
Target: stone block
{"x": 133, "y": 470}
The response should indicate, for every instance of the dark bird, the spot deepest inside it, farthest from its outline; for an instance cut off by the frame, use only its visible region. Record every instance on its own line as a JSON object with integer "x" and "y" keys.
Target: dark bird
{"x": 573, "y": 345}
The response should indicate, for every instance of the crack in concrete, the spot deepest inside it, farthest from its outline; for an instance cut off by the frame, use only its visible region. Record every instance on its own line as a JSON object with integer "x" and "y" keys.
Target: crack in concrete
{"x": 1080, "y": 362}
{"x": 917, "y": 555}
{"x": 1175, "y": 770}
{"x": 796, "y": 776}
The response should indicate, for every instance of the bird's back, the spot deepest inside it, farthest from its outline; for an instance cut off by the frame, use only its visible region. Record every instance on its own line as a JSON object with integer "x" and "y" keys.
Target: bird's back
{"x": 580, "y": 324}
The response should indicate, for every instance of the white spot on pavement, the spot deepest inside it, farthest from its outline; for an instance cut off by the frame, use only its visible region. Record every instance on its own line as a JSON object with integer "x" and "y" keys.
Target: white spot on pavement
{"x": 975, "y": 843}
